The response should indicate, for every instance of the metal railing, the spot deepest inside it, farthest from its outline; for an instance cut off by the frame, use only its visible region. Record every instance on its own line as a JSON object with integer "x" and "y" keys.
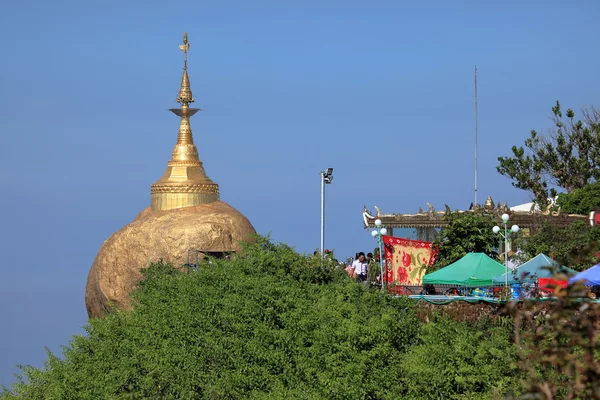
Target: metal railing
{"x": 195, "y": 256}
{"x": 513, "y": 291}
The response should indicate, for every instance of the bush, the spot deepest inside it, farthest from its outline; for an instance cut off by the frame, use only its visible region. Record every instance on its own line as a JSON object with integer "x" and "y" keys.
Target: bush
{"x": 272, "y": 324}
{"x": 560, "y": 356}
{"x": 268, "y": 324}
{"x": 455, "y": 360}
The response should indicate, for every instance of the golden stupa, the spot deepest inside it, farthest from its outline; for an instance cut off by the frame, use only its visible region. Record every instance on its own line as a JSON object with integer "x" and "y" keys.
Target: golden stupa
{"x": 185, "y": 214}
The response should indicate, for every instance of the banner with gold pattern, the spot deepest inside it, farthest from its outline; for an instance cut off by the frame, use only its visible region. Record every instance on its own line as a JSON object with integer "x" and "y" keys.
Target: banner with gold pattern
{"x": 406, "y": 260}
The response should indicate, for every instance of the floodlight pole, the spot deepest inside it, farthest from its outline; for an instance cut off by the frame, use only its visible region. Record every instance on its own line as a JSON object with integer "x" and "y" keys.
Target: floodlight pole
{"x": 322, "y": 215}
{"x": 326, "y": 177}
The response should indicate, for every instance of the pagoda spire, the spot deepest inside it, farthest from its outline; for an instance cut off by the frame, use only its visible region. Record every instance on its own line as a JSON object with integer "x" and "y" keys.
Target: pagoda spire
{"x": 184, "y": 183}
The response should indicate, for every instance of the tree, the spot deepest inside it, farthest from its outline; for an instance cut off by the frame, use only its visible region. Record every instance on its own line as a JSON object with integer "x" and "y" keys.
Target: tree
{"x": 568, "y": 159}
{"x": 574, "y": 245}
{"x": 580, "y": 201}
{"x": 466, "y": 232}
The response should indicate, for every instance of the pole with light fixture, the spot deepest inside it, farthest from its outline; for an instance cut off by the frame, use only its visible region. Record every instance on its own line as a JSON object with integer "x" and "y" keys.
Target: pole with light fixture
{"x": 326, "y": 178}
{"x": 514, "y": 229}
{"x": 377, "y": 233}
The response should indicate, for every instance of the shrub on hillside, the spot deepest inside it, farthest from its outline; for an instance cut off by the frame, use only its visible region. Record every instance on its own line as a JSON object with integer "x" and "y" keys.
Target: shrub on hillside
{"x": 266, "y": 324}
{"x": 560, "y": 350}
{"x": 455, "y": 360}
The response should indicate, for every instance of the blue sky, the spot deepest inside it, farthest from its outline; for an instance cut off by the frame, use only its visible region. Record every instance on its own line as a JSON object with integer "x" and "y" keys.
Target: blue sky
{"x": 381, "y": 90}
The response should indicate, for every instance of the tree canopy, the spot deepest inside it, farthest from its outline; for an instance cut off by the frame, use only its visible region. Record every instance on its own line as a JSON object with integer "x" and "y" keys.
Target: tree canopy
{"x": 580, "y": 201}
{"x": 568, "y": 158}
{"x": 466, "y": 232}
{"x": 575, "y": 245}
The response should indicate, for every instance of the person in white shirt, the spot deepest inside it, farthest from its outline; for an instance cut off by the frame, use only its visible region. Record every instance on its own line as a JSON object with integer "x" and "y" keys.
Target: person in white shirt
{"x": 360, "y": 267}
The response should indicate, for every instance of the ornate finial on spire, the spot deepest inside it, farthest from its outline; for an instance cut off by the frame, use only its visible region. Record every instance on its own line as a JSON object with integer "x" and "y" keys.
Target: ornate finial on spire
{"x": 185, "y": 47}
{"x": 185, "y": 93}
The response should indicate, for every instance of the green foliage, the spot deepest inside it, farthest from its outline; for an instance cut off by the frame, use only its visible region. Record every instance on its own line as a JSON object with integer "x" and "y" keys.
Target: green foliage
{"x": 373, "y": 271}
{"x": 574, "y": 245}
{"x": 569, "y": 158}
{"x": 580, "y": 201}
{"x": 460, "y": 361}
{"x": 272, "y": 324}
{"x": 268, "y": 324}
{"x": 560, "y": 356}
{"x": 466, "y": 232}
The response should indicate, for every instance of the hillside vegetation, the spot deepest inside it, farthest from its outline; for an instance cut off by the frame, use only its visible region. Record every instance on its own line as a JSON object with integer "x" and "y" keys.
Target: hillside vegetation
{"x": 274, "y": 324}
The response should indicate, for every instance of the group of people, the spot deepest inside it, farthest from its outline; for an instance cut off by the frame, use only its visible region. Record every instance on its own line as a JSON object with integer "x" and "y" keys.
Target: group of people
{"x": 364, "y": 268}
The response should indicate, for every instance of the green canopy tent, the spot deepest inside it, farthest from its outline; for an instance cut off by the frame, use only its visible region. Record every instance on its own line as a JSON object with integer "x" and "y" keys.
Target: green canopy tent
{"x": 540, "y": 266}
{"x": 474, "y": 269}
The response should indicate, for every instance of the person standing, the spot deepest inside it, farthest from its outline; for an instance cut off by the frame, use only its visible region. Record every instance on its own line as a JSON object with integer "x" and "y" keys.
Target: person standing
{"x": 360, "y": 267}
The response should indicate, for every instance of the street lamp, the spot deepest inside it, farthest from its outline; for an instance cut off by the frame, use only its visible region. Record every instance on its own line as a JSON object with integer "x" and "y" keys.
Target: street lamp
{"x": 514, "y": 229}
{"x": 377, "y": 233}
{"x": 326, "y": 178}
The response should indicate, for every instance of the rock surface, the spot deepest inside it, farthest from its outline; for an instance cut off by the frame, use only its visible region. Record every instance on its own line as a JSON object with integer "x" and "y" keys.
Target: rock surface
{"x": 155, "y": 235}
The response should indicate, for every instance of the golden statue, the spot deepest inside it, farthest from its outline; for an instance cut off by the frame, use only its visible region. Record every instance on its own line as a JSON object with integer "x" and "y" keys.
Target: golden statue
{"x": 186, "y": 213}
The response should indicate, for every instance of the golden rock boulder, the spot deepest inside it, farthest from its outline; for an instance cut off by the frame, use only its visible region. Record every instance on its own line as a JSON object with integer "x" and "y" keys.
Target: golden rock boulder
{"x": 155, "y": 235}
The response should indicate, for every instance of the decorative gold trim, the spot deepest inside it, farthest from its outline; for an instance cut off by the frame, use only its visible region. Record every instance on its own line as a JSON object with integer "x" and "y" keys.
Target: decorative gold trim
{"x": 184, "y": 163}
{"x": 186, "y": 188}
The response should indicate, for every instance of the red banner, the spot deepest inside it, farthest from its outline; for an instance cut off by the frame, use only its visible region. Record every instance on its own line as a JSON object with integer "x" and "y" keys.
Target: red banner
{"x": 545, "y": 282}
{"x": 406, "y": 260}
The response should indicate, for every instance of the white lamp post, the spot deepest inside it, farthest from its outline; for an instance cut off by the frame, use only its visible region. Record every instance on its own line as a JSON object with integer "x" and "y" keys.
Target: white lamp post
{"x": 514, "y": 229}
{"x": 377, "y": 233}
{"x": 326, "y": 178}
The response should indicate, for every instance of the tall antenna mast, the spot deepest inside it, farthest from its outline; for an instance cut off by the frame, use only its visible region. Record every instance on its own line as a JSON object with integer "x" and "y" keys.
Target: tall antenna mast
{"x": 475, "y": 136}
